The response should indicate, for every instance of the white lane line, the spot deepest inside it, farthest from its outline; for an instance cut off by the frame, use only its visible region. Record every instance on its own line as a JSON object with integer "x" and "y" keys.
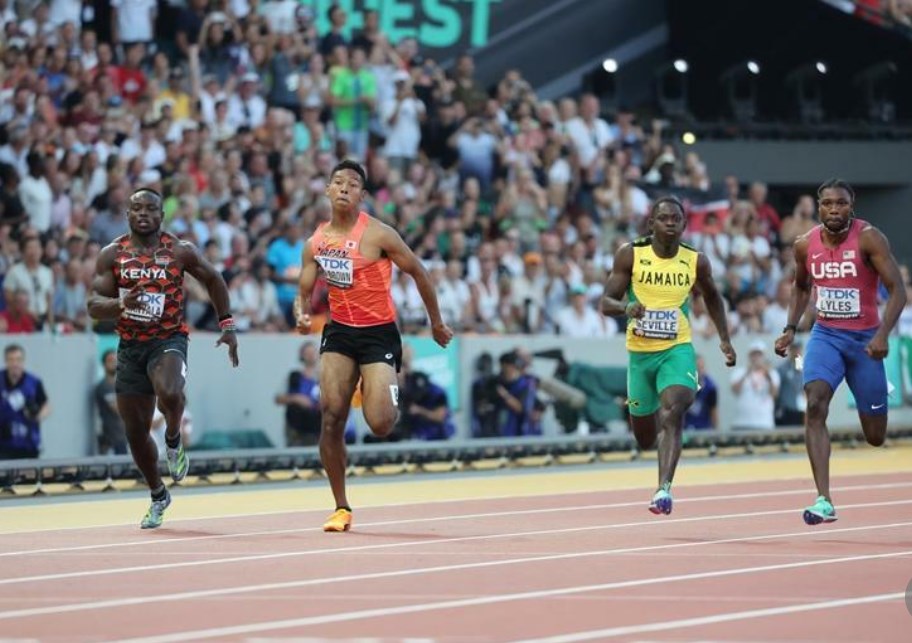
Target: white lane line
{"x": 263, "y": 587}
{"x": 191, "y": 635}
{"x": 616, "y": 505}
{"x": 410, "y": 543}
{"x": 713, "y": 485}
{"x": 717, "y": 618}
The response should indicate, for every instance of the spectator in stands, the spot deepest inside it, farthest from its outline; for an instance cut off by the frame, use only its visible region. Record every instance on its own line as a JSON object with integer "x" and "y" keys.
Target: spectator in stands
{"x": 353, "y": 96}
{"x": 16, "y": 318}
{"x": 704, "y": 412}
{"x": 33, "y": 278}
{"x": 24, "y": 405}
{"x": 484, "y": 398}
{"x": 424, "y": 408}
{"x": 111, "y": 436}
{"x": 791, "y": 402}
{"x": 284, "y": 257}
{"x": 301, "y": 400}
{"x": 801, "y": 221}
{"x": 756, "y": 387}
{"x": 516, "y": 398}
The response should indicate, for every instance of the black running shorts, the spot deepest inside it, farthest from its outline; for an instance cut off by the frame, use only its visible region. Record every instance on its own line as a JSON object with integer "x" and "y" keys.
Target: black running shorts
{"x": 135, "y": 359}
{"x": 366, "y": 344}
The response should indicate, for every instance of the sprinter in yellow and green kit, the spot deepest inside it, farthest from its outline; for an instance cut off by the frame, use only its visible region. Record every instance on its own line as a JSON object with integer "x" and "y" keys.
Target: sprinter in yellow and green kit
{"x": 651, "y": 283}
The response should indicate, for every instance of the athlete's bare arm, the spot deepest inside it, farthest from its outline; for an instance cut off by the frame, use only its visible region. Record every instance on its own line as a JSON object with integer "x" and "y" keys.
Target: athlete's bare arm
{"x": 714, "y": 306}
{"x": 801, "y": 294}
{"x": 204, "y": 272}
{"x": 305, "y": 288}
{"x": 104, "y": 301}
{"x": 616, "y": 287}
{"x": 400, "y": 254}
{"x": 875, "y": 247}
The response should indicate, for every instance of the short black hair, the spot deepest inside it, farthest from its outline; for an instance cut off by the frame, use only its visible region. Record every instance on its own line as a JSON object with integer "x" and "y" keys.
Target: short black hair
{"x": 837, "y": 184}
{"x": 104, "y": 356}
{"x": 348, "y": 164}
{"x": 13, "y": 348}
{"x": 668, "y": 198}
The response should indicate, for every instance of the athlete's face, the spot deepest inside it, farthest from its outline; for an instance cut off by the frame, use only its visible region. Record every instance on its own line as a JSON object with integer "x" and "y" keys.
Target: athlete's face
{"x": 835, "y": 208}
{"x": 668, "y": 222}
{"x": 345, "y": 190}
{"x": 144, "y": 213}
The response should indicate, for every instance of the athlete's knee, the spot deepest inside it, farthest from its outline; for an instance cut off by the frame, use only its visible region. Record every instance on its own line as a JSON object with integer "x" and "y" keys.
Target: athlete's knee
{"x": 333, "y": 420}
{"x": 382, "y": 422}
{"x": 876, "y": 439}
{"x": 674, "y": 409}
{"x": 818, "y": 407}
{"x": 875, "y": 431}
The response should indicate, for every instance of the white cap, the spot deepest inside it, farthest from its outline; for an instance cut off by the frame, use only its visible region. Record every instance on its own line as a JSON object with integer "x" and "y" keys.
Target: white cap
{"x": 401, "y": 76}
{"x": 758, "y": 345}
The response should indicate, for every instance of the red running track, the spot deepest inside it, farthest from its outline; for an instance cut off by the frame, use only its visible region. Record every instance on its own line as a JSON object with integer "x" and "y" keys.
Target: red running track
{"x": 733, "y": 563}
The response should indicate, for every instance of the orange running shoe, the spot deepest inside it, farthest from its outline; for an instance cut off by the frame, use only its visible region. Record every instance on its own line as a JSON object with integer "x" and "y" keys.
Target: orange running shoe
{"x": 340, "y": 520}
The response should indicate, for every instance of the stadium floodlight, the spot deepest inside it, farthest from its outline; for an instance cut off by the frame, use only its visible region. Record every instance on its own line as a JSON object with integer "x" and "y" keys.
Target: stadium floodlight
{"x": 805, "y": 87}
{"x": 602, "y": 81}
{"x": 876, "y": 84}
{"x": 671, "y": 89}
{"x": 740, "y": 83}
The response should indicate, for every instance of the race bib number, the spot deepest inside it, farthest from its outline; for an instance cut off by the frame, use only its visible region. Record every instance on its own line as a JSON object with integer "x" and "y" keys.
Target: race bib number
{"x": 151, "y": 306}
{"x": 339, "y": 271}
{"x": 838, "y": 303}
{"x": 658, "y": 324}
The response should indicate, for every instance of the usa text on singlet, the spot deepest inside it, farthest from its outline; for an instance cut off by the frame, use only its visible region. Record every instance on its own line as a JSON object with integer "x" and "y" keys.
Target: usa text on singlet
{"x": 359, "y": 287}
{"x": 162, "y": 279}
{"x": 845, "y": 285}
{"x": 663, "y": 287}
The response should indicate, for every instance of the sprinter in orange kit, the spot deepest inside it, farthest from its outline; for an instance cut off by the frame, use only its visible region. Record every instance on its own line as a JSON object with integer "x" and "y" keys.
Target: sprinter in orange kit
{"x": 355, "y": 252}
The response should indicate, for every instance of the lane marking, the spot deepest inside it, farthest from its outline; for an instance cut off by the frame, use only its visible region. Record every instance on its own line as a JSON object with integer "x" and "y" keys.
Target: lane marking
{"x": 227, "y": 591}
{"x": 190, "y": 635}
{"x": 475, "y": 498}
{"x": 717, "y": 618}
{"x": 410, "y": 543}
{"x": 269, "y": 532}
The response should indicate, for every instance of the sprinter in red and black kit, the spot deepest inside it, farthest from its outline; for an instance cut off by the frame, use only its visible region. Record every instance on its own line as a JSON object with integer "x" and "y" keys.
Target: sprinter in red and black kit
{"x": 139, "y": 281}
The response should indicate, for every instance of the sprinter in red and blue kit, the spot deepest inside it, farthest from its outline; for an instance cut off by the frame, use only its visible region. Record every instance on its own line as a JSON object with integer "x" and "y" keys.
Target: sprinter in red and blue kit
{"x": 842, "y": 261}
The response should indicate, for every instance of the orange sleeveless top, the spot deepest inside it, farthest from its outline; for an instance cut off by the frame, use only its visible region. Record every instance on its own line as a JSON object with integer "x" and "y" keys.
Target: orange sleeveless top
{"x": 359, "y": 288}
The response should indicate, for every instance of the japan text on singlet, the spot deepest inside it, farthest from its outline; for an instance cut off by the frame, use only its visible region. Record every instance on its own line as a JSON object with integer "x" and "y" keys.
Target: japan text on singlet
{"x": 845, "y": 286}
{"x": 359, "y": 288}
{"x": 663, "y": 287}
{"x": 162, "y": 278}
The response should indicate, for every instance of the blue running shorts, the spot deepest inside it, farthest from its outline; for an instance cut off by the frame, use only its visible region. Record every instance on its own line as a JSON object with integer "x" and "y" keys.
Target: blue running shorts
{"x": 833, "y": 355}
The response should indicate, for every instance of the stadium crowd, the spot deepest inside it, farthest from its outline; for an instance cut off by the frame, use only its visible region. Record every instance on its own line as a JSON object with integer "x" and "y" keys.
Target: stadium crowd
{"x": 237, "y": 113}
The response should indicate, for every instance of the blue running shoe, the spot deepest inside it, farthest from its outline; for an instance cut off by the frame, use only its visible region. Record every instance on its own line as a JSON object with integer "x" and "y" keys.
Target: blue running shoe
{"x": 819, "y": 512}
{"x": 662, "y": 501}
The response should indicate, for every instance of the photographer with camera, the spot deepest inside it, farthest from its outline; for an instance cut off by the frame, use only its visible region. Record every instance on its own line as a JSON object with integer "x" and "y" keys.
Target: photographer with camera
{"x": 425, "y": 407}
{"x": 755, "y": 387}
{"x": 23, "y": 405}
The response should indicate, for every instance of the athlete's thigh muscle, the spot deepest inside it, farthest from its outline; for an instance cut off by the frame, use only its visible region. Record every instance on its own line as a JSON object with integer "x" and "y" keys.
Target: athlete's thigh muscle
{"x": 338, "y": 379}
